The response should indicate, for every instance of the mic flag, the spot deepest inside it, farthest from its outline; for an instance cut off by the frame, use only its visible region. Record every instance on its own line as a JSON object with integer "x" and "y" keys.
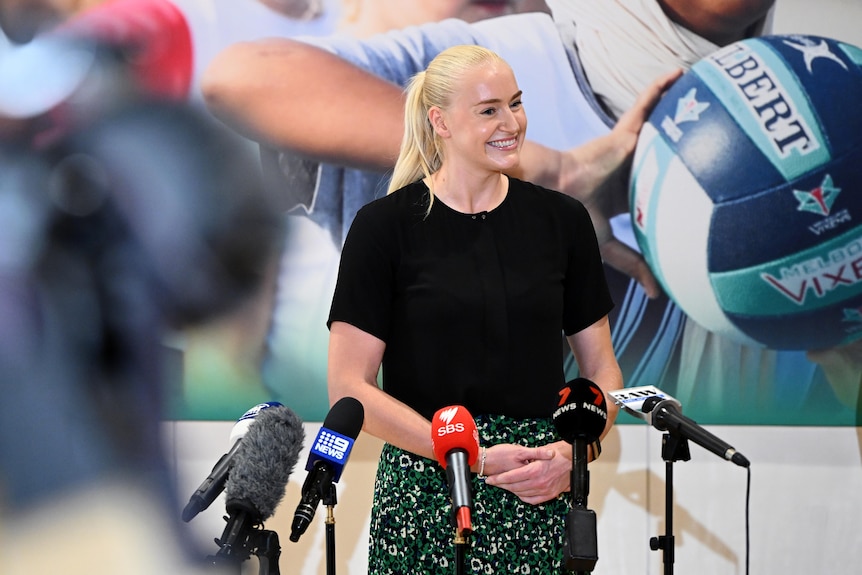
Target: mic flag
{"x": 213, "y": 485}
{"x": 327, "y": 458}
{"x": 581, "y": 412}
{"x": 632, "y": 399}
{"x": 455, "y": 441}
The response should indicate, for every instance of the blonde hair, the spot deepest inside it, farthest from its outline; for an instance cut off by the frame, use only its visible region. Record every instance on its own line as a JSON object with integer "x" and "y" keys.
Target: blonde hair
{"x": 421, "y": 154}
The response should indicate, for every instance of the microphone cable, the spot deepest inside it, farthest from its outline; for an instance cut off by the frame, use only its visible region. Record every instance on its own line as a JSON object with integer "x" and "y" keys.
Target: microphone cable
{"x": 747, "y": 519}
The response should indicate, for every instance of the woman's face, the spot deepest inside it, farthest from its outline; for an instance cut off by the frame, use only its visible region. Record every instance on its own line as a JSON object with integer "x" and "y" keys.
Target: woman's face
{"x": 485, "y": 123}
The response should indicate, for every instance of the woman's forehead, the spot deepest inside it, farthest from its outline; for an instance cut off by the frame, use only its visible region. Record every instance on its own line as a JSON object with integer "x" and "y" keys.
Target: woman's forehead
{"x": 485, "y": 82}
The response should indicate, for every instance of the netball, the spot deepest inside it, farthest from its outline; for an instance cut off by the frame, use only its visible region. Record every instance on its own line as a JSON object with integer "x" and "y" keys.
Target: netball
{"x": 745, "y": 192}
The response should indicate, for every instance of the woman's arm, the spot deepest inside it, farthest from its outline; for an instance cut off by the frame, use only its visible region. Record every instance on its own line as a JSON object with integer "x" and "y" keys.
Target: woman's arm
{"x": 594, "y": 353}
{"x": 354, "y": 361}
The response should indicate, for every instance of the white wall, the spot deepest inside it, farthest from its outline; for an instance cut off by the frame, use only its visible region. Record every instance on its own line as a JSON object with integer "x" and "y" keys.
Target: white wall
{"x": 805, "y": 506}
{"x": 837, "y": 19}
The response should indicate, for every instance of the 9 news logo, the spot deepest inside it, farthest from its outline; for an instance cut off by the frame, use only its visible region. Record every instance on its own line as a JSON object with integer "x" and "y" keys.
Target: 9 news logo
{"x": 332, "y": 446}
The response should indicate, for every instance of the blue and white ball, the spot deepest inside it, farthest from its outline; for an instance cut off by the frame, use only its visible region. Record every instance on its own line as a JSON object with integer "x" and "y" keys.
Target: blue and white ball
{"x": 746, "y": 192}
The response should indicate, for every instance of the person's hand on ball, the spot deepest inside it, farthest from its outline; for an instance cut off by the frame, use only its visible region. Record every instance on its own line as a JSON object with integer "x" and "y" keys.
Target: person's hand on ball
{"x": 598, "y": 175}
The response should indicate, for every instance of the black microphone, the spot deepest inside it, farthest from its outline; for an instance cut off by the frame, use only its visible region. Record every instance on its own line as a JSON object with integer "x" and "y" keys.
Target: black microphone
{"x": 665, "y": 415}
{"x": 580, "y": 419}
{"x": 327, "y": 458}
{"x": 213, "y": 485}
{"x": 262, "y": 465}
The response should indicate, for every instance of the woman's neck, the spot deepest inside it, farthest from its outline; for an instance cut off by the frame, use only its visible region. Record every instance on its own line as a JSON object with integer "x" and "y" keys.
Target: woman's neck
{"x": 469, "y": 194}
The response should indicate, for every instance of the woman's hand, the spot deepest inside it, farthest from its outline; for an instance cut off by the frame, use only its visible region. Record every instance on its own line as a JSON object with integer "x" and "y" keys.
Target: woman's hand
{"x": 534, "y": 474}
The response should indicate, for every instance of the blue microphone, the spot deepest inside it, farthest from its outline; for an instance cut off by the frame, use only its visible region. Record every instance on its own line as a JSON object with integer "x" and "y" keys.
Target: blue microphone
{"x": 329, "y": 453}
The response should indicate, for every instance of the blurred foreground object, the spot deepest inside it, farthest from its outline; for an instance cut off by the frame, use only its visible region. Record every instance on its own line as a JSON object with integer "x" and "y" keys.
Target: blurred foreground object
{"x": 123, "y": 216}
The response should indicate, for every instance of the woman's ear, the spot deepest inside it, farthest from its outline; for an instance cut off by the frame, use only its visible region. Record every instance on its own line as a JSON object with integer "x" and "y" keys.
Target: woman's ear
{"x": 438, "y": 122}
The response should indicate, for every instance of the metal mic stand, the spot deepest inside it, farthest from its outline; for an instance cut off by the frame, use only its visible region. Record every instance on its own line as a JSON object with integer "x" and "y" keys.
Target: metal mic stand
{"x": 580, "y": 547}
{"x": 674, "y": 447}
{"x": 461, "y": 542}
{"x": 330, "y": 499}
{"x": 260, "y": 542}
{"x": 461, "y": 511}
{"x": 460, "y": 551}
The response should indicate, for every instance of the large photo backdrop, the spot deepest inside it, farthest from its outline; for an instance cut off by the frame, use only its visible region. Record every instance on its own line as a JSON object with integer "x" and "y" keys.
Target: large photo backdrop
{"x": 722, "y": 334}
{"x": 742, "y": 198}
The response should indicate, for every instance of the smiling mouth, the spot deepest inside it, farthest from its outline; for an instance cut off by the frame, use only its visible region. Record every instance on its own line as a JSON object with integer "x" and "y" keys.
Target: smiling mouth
{"x": 504, "y": 143}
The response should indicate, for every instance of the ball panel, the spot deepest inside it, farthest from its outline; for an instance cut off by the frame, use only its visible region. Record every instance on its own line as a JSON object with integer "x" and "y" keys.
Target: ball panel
{"x": 831, "y": 79}
{"x": 645, "y": 180}
{"x": 797, "y": 216}
{"x": 824, "y": 328}
{"x": 852, "y": 53}
{"x": 674, "y": 246}
{"x": 808, "y": 280}
{"x": 707, "y": 139}
{"x": 766, "y": 99}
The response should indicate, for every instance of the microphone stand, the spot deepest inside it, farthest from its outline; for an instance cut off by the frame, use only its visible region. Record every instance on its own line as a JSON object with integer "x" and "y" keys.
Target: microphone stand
{"x": 674, "y": 447}
{"x": 460, "y": 551}
{"x": 244, "y": 538}
{"x": 329, "y": 499}
{"x": 580, "y": 547}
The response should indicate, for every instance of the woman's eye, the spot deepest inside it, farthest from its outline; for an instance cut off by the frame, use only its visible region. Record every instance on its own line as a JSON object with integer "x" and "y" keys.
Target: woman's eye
{"x": 516, "y": 104}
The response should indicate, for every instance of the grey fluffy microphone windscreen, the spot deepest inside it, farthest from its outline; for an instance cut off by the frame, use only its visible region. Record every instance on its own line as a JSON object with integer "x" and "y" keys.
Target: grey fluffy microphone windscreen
{"x": 265, "y": 460}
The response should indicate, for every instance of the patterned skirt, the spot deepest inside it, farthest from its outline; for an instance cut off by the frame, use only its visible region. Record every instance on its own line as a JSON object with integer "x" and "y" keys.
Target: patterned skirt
{"x": 411, "y": 524}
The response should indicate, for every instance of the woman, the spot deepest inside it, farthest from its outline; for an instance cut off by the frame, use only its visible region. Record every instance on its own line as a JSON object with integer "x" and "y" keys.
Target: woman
{"x": 459, "y": 283}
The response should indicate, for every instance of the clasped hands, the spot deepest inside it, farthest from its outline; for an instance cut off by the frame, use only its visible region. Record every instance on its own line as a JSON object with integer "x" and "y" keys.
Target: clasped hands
{"x": 534, "y": 474}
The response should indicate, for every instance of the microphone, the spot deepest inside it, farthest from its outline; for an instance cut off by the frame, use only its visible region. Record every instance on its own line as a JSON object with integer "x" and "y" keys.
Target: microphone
{"x": 327, "y": 458}
{"x": 455, "y": 441}
{"x": 154, "y": 34}
{"x": 580, "y": 418}
{"x": 214, "y": 484}
{"x": 663, "y": 412}
{"x": 581, "y": 412}
{"x": 665, "y": 415}
{"x": 264, "y": 460}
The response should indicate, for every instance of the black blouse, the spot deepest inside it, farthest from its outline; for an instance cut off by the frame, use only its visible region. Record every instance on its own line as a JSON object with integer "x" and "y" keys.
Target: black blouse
{"x": 472, "y": 307}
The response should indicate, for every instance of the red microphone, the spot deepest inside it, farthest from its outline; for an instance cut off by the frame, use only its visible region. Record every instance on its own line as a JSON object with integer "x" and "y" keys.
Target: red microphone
{"x": 156, "y": 33}
{"x": 455, "y": 441}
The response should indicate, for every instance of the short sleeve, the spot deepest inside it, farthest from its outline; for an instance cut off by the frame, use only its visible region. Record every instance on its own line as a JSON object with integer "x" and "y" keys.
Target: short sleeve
{"x": 363, "y": 291}
{"x": 587, "y": 296}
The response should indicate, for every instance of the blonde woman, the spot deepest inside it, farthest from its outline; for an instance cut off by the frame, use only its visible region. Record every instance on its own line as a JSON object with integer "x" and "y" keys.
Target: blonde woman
{"x": 458, "y": 283}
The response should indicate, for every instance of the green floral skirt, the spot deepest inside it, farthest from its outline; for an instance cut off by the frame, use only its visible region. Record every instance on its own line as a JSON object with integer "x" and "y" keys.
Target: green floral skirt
{"x": 411, "y": 523}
